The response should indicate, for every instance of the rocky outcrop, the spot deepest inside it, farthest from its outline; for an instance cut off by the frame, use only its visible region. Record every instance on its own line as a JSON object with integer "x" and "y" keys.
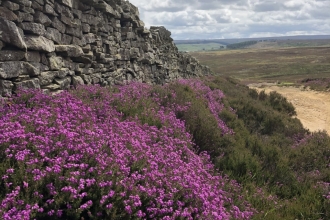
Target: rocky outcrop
{"x": 54, "y": 44}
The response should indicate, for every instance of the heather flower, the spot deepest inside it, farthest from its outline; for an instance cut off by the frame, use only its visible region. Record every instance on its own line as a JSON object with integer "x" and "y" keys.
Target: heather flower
{"x": 84, "y": 151}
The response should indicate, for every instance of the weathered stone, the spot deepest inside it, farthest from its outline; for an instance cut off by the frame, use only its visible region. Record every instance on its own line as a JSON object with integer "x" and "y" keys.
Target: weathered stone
{"x": 21, "y": 78}
{"x": 1, "y": 45}
{"x": 63, "y": 73}
{"x": 67, "y": 3}
{"x": 87, "y": 79}
{"x": 77, "y": 80}
{"x": 55, "y": 63}
{"x": 63, "y": 83}
{"x": 28, "y": 84}
{"x": 66, "y": 39}
{"x": 74, "y": 32}
{"x": 69, "y": 50}
{"x": 39, "y": 66}
{"x": 77, "y": 13}
{"x": 25, "y": 3}
{"x": 8, "y": 14}
{"x": 66, "y": 20}
{"x": 33, "y": 28}
{"x": 51, "y": 87}
{"x": 44, "y": 60}
{"x": 41, "y": 18}
{"x": 87, "y": 48}
{"x": 89, "y": 38}
{"x": 106, "y": 8}
{"x": 11, "y": 5}
{"x": 86, "y": 28}
{"x": 86, "y": 71}
{"x": 54, "y": 35}
{"x": 36, "y": 6}
{"x": 32, "y": 56}
{"x": 39, "y": 43}
{"x": 9, "y": 33}
{"x": 12, "y": 69}
{"x": 58, "y": 25}
{"x": 23, "y": 16}
{"x": 47, "y": 78}
{"x": 11, "y": 55}
{"x": 134, "y": 53}
{"x": 6, "y": 88}
{"x": 86, "y": 58}
{"x": 48, "y": 9}
{"x": 78, "y": 41}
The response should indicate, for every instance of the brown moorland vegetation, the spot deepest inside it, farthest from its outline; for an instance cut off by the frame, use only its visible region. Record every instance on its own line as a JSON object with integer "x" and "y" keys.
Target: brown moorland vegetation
{"x": 269, "y": 65}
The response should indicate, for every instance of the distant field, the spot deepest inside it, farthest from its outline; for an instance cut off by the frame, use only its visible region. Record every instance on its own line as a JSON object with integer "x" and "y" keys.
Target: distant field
{"x": 288, "y": 65}
{"x": 291, "y": 43}
{"x": 200, "y": 47}
{"x": 209, "y": 46}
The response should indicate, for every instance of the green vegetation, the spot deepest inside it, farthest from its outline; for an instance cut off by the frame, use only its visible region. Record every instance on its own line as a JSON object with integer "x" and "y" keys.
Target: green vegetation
{"x": 283, "y": 168}
{"x": 242, "y": 44}
{"x": 101, "y": 153}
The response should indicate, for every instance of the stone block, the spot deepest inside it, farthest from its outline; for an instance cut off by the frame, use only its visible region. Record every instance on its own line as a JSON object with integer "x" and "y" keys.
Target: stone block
{"x": 6, "y": 88}
{"x": 54, "y": 35}
{"x": 48, "y": 9}
{"x": 11, "y": 5}
{"x": 63, "y": 83}
{"x": 23, "y": 16}
{"x": 51, "y": 87}
{"x": 69, "y": 50}
{"x": 56, "y": 23}
{"x": 9, "y": 33}
{"x": 55, "y": 63}
{"x": 66, "y": 39}
{"x": 32, "y": 56}
{"x": 12, "y": 69}
{"x": 8, "y": 14}
{"x": 28, "y": 84}
{"x": 41, "y": 18}
{"x": 77, "y": 80}
{"x": 68, "y": 3}
{"x": 46, "y": 78}
{"x": 39, "y": 43}
{"x": 33, "y": 28}
{"x": 11, "y": 55}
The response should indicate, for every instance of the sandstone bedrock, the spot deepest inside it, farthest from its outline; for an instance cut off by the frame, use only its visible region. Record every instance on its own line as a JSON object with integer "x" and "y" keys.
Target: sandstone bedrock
{"x": 54, "y": 44}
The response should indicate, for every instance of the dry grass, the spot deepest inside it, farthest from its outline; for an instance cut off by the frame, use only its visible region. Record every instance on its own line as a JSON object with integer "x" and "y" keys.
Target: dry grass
{"x": 271, "y": 64}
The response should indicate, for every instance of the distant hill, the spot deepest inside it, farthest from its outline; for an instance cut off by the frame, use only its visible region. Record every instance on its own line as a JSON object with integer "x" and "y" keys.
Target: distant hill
{"x": 238, "y": 40}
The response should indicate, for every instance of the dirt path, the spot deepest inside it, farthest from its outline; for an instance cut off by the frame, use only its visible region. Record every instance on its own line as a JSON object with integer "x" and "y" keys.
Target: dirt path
{"x": 313, "y": 108}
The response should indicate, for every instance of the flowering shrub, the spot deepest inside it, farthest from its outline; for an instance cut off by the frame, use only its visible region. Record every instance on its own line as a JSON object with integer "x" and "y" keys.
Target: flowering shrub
{"x": 97, "y": 154}
{"x": 213, "y": 98}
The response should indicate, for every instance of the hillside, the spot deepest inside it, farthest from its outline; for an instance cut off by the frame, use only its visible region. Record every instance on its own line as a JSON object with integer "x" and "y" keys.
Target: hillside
{"x": 140, "y": 151}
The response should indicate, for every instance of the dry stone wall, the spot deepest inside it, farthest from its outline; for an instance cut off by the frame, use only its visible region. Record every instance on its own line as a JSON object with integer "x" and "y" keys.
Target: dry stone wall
{"x": 54, "y": 44}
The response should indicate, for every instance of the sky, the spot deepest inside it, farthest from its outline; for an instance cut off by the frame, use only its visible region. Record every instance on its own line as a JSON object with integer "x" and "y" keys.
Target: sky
{"x": 219, "y": 19}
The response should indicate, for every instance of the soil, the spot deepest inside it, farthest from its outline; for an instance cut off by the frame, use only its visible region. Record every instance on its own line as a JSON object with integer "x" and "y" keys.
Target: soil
{"x": 312, "y": 107}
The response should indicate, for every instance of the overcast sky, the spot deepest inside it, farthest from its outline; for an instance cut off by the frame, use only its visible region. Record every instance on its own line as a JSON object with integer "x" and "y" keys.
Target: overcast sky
{"x": 205, "y": 19}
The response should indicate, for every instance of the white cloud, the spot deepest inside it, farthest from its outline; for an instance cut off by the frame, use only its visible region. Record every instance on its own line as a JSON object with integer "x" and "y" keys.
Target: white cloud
{"x": 199, "y": 19}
